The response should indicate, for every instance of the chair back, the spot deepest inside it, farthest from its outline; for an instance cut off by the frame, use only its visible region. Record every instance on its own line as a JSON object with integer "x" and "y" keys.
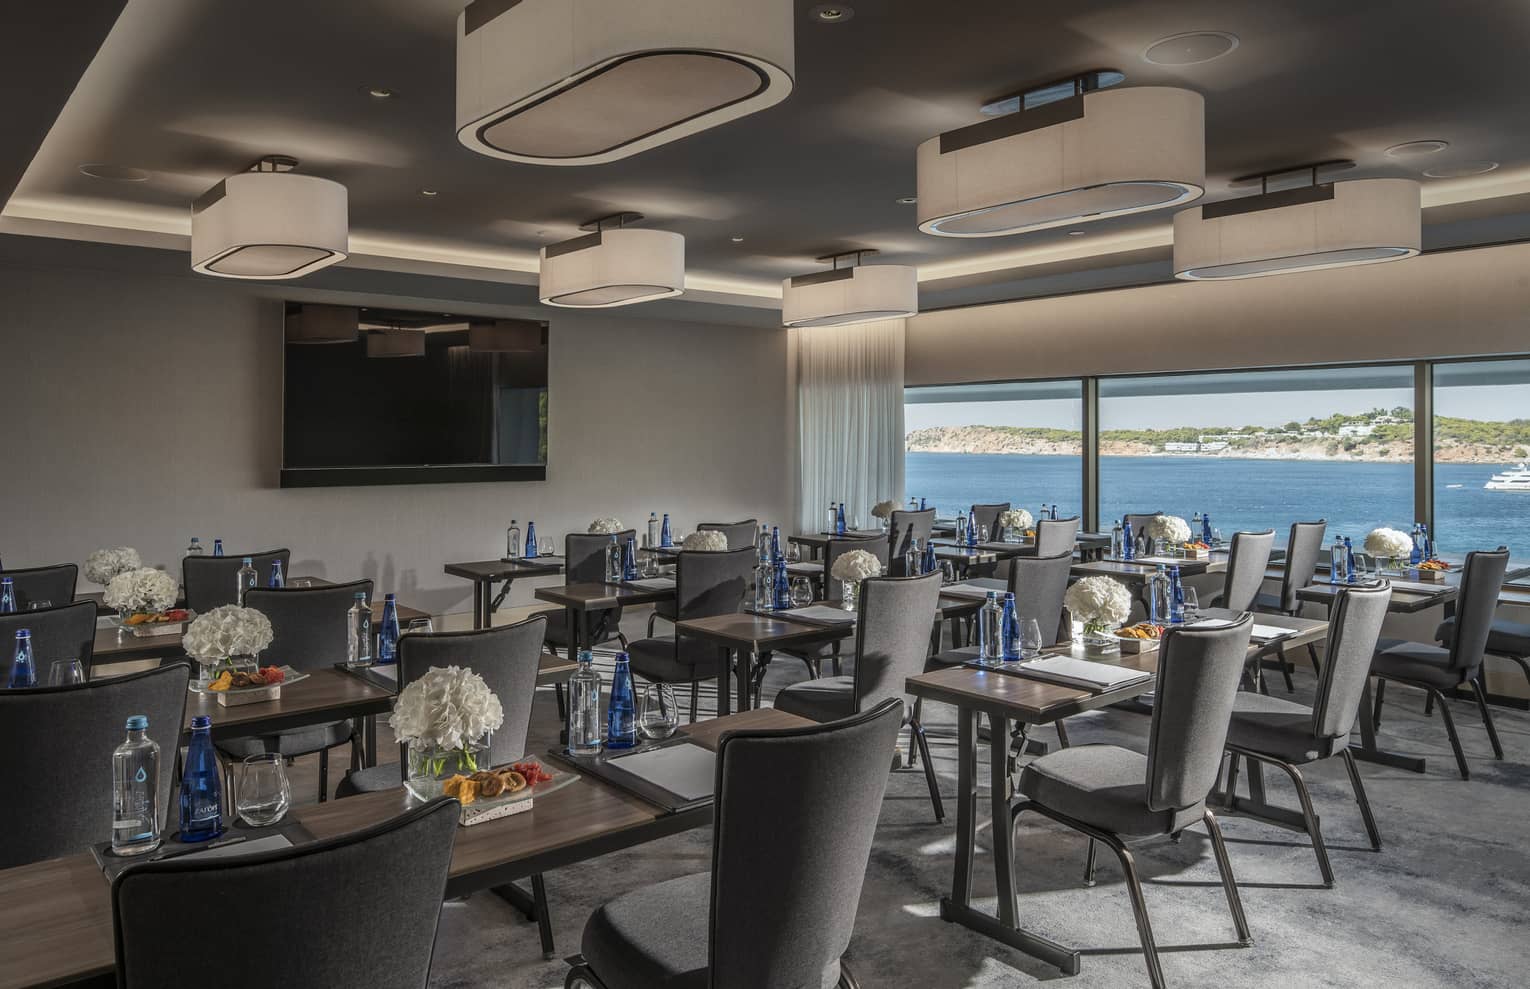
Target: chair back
{"x": 905, "y": 527}
{"x": 837, "y": 547}
{"x": 739, "y": 534}
{"x": 1354, "y": 626}
{"x": 988, "y": 515}
{"x": 892, "y": 635}
{"x": 166, "y": 914}
{"x": 1198, "y": 674}
{"x": 1247, "y": 560}
{"x": 1303, "y": 547}
{"x": 48, "y": 587}
{"x": 783, "y": 898}
{"x": 1481, "y": 583}
{"x": 213, "y": 581}
{"x": 506, "y": 657}
{"x": 57, "y": 775}
{"x": 584, "y": 554}
{"x": 1055, "y": 536}
{"x": 62, "y": 632}
{"x": 1138, "y": 520}
{"x": 1039, "y": 584}
{"x": 310, "y": 626}
{"x": 710, "y": 583}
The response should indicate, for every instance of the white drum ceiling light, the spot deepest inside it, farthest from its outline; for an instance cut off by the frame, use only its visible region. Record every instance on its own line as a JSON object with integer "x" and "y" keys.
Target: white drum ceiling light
{"x": 1327, "y": 225}
{"x": 581, "y": 82}
{"x": 1071, "y": 153}
{"x": 612, "y": 266}
{"x": 859, "y": 293}
{"x": 269, "y": 223}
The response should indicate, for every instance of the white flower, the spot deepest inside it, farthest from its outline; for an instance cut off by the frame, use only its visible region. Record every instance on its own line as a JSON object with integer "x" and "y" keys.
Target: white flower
{"x": 1170, "y": 528}
{"x": 1388, "y": 543}
{"x": 227, "y": 631}
{"x": 606, "y": 526}
{"x": 142, "y": 590}
{"x": 1099, "y": 600}
{"x": 1016, "y": 518}
{"x": 709, "y": 540}
{"x": 856, "y": 565}
{"x": 445, "y": 709}
{"x": 883, "y": 509}
{"x": 104, "y": 564}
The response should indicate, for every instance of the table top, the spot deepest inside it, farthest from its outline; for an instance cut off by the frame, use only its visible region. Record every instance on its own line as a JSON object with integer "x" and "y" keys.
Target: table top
{"x": 758, "y": 633}
{"x": 598, "y": 597}
{"x": 818, "y": 540}
{"x": 60, "y": 909}
{"x": 1140, "y": 572}
{"x": 325, "y": 695}
{"x": 484, "y": 570}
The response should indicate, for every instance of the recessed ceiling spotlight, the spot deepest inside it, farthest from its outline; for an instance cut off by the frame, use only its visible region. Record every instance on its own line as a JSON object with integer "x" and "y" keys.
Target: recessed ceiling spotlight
{"x": 738, "y": 240}
{"x": 113, "y": 173}
{"x": 906, "y": 200}
{"x": 1190, "y": 48}
{"x": 381, "y": 93}
{"x": 832, "y": 13}
{"x": 1460, "y": 171}
{"x": 429, "y": 192}
{"x": 1416, "y": 149}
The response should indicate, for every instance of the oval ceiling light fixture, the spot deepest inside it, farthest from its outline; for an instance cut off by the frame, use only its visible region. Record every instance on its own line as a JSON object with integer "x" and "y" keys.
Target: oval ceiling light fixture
{"x": 553, "y": 82}
{"x": 1320, "y": 225}
{"x": 859, "y": 293}
{"x": 1190, "y": 48}
{"x": 269, "y": 223}
{"x": 1074, "y": 153}
{"x": 113, "y": 173}
{"x": 1415, "y": 149}
{"x": 1461, "y": 171}
{"x": 612, "y": 266}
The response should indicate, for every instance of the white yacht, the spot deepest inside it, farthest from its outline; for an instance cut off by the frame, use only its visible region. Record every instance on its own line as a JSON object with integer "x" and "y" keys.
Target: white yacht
{"x": 1517, "y": 479}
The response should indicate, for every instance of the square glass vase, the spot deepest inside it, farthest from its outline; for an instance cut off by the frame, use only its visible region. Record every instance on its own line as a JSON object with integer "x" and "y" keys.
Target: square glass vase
{"x": 431, "y": 766}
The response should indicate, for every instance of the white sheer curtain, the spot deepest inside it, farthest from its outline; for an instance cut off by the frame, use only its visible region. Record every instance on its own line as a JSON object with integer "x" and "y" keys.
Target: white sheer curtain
{"x": 849, "y": 419}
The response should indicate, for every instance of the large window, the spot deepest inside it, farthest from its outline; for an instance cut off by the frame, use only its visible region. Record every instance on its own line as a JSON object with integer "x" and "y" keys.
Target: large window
{"x": 983, "y": 444}
{"x": 1261, "y": 449}
{"x": 1481, "y": 444}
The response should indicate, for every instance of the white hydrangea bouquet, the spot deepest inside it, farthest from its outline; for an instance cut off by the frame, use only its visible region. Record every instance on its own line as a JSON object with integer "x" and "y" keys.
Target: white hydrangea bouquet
{"x": 445, "y": 719}
{"x": 143, "y": 590}
{"x": 1101, "y": 603}
{"x": 1169, "y": 529}
{"x": 1392, "y": 545}
{"x": 1016, "y": 520}
{"x": 850, "y": 569}
{"x": 606, "y": 526}
{"x": 225, "y": 632}
{"x": 104, "y": 564}
{"x": 883, "y": 509}
{"x": 706, "y": 540}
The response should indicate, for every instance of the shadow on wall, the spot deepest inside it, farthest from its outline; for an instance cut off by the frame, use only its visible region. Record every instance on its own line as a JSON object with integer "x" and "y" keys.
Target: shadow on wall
{"x": 308, "y": 568}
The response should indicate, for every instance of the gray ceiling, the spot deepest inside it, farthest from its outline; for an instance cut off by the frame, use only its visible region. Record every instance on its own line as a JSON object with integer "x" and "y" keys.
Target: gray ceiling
{"x": 192, "y": 91}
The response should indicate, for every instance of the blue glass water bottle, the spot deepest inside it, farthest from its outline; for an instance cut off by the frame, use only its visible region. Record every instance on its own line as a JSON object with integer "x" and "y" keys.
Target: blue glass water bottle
{"x": 7, "y": 597}
{"x": 277, "y": 580}
{"x": 666, "y": 538}
{"x": 23, "y": 668}
{"x": 621, "y": 713}
{"x": 1416, "y": 555}
{"x": 201, "y": 785}
{"x": 1009, "y": 634}
{"x": 1206, "y": 528}
{"x": 783, "y": 594}
{"x": 921, "y": 504}
{"x": 217, "y": 547}
{"x": 387, "y": 641}
{"x": 839, "y": 520}
{"x": 930, "y": 562}
{"x": 1176, "y": 598}
{"x": 775, "y": 544}
{"x": 1425, "y": 543}
{"x": 531, "y": 540}
{"x": 972, "y": 538}
{"x": 1349, "y": 561}
{"x": 1127, "y": 545}
{"x": 629, "y": 560}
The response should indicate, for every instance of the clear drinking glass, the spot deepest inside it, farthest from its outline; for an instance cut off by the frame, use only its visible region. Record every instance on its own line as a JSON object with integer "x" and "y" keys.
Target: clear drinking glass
{"x": 1192, "y": 603}
{"x": 947, "y": 572}
{"x": 660, "y": 717}
{"x": 264, "y": 793}
{"x": 66, "y": 671}
{"x": 802, "y": 592}
{"x": 545, "y": 546}
{"x": 420, "y": 625}
{"x": 793, "y": 553}
{"x": 1030, "y": 638}
{"x": 39, "y": 605}
{"x": 650, "y": 564}
{"x": 982, "y": 533}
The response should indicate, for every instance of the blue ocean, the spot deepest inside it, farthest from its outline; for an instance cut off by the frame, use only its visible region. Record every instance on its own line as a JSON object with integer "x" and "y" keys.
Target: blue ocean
{"x": 1239, "y": 494}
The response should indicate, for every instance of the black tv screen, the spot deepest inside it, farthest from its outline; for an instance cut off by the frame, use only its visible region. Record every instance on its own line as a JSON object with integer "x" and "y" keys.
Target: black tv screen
{"x": 374, "y": 396}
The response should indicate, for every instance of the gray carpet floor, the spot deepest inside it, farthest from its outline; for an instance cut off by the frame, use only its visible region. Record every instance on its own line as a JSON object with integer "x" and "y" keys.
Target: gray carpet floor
{"x": 1445, "y": 903}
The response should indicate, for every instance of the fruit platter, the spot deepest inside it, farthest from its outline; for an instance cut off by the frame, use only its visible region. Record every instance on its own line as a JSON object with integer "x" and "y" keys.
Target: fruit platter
{"x": 490, "y": 794}
{"x": 1141, "y": 637}
{"x": 1197, "y": 550}
{"x": 146, "y": 623}
{"x": 233, "y": 688}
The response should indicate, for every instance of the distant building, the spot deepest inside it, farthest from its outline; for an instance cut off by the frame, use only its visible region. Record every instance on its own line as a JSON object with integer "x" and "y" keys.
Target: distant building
{"x": 1354, "y": 430}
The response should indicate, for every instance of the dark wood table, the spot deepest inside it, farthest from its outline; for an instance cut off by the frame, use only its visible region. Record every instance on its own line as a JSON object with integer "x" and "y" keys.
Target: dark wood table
{"x": 816, "y": 541}
{"x": 752, "y": 638}
{"x": 60, "y": 910}
{"x": 581, "y": 599}
{"x": 1133, "y": 573}
{"x": 484, "y": 573}
{"x": 1004, "y": 697}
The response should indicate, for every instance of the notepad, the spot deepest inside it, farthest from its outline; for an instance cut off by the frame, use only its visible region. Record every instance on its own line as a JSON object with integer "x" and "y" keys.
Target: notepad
{"x": 652, "y": 583}
{"x": 1259, "y": 633}
{"x": 972, "y": 589}
{"x": 1081, "y": 673}
{"x": 686, "y": 771}
{"x": 819, "y": 614}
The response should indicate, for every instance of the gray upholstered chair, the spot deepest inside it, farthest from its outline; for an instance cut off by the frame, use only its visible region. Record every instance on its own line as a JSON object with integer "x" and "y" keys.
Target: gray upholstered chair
{"x": 988, "y": 516}
{"x": 749, "y": 923}
{"x": 584, "y": 562}
{"x": 213, "y": 581}
{"x": 1247, "y": 559}
{"x": 1039, "y": 584}
{"x": 1506, "y": 639}
{"x": 892, "y": 638}
{"x": 1287, "y": 734}
{"x": 165, "y": 913}
{"x": 51, "y": 586}
{"x": 1436, "y": 669}
{"x": 1139, "y": 521}
{"x": 706, "y": 584}
{"x": 833, "y": 591}
{"x": 1054, "y": 536}
{"x": 62, "y": 632}
{"x": 310, "y": 631}
{"x": 57, "y": 776}
{"x": 903, "y": 530}
{"x": 1303, "y": 547}
{"x": 739, "y": 534}
{"x": 1109, "y": 793}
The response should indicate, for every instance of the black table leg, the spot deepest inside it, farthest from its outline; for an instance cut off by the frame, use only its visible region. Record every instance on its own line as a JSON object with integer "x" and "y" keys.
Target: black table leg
{"x": 369, "y": 757}
{"x": 1367, "y": 750}
{"x": 1002, "y": 828}
{"x": 724, "y": 681}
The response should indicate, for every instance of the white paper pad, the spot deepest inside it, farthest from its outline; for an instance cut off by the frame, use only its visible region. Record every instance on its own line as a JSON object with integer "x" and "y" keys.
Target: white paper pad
{"x": 688, "y": 771}
{"x": 819, "y": 613}
{"x": 390, "y": 671}
{"x": 968, "y": 590}
{"x": 1082, "y": 672}
{"x": 652, "y": 583}
{"x": 1420, "y": 586}
{"x": 1259, "y": 633}
{"x": 269, "y": 843}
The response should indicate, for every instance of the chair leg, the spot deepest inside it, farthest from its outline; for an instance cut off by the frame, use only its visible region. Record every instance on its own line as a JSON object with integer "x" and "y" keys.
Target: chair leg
{"x": 1285, "y": 669}
{"x": 1317, "y": 667}
{"x": 929, "y": 771}
{"x": 1232, "y": 781}
{"x": 1381, "y": 696}
{"x": 1487, "y": 716}
{"x": 544, "y": 917}
{"x": 1360, "y": 798}
{"x": 1139, "y": 910}
{"x": 1062, "y": 734}
{"x": 1089, "y": 865}
{"x": 323, "y": 775}
{"x": 695, "y": 698}
{"x": 1450, "y": 730}
{"x": 1428, "y": 705}
{"x": 847, "y": 979}
{"x": 1229, "y": 885}
{"x": 1310, "y": 820}
{"x": 562, "y": 701}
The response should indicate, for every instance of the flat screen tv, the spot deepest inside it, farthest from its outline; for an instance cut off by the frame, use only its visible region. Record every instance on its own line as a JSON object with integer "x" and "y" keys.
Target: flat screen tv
{"x": 386, "y": 396}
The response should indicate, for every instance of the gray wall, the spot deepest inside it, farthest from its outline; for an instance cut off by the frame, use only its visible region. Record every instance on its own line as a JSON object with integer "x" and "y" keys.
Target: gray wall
{"x": 144, "y": 409}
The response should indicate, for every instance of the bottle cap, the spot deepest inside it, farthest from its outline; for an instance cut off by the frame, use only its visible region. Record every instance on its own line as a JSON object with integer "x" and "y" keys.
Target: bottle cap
{"x": 621, "y": 657}
{"x": 388, "y": 597}
{"x": 137, "y": 722}
{"x": 361, "y": 595}
{"x": 1009, "y": 595}
{"x": 249, "y": 560}
{"x": 201, "y": 721}
{"x": 23, "y": 633}
{"x": 586, "y": 656}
